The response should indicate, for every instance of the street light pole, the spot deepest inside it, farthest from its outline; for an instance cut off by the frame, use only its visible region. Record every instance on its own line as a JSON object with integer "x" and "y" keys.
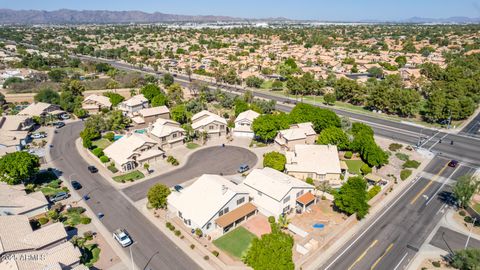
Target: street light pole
{"x": 470, "y": 233}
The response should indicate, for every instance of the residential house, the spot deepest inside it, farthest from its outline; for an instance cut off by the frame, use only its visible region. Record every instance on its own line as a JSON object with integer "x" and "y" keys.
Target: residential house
{"x": 167, "y": 132}
{"x": 149, "y": 115}
{"x": 16, "y": 235}
{"x": 276, "y": 193}
{"x": 15, "y": 201}
{"x": 133, "y": 150}
{"x": 212, "y": 203}
{"x": 12, "y": 141}
{"x": 132, "y": 105}
{"x": 95, "y": 103}
{"x": 41, "y": 109}
{"x": 318, "y": 162}
{"x": 16, "y": 123}
{"x": 243, "y": 124}
{"x": 205, "y": 121}
{"x": 302, "y": 133}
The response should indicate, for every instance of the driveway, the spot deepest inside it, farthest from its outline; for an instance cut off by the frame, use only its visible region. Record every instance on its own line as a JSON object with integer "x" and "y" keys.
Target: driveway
{"x": 211, "y": 160}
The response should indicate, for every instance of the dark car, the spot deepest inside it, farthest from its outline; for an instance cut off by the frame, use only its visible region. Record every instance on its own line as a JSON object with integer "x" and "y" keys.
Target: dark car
{"x": 178, "y": 188}
{"x": 76, "y": 185}
{"x": 243, "y": 168}
{"x": 453, "y": 163}
{"x": 92, "y": 169}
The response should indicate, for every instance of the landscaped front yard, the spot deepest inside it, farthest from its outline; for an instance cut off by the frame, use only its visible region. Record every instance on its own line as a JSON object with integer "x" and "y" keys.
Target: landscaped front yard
{"x": 192, "y": 145}
{"x": 354, "y": 166}
{"x": 131, "y": 176}
{"x": 236, "y": 242}
{"x": 102, "y": 143}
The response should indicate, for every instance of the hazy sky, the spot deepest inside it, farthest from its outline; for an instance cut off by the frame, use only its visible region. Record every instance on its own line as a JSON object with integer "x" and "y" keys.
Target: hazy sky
{"x": 294, "y": 9}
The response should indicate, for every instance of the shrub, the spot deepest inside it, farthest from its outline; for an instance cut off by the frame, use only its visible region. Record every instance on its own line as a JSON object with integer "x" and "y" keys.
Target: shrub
{"x": 170, "y": 226}
{"x": 112, "y": 168}
{"x": 348, "y": 155}
{"x": 462, "y": 213}
{"x": 309, "y": 181}
{"x": 215, "y": 253}
{"x": 85, "y": 220}
{"x": 402, "y": 156}
{"x": 88, "y": 235}
{"x": 436, "y": 264}
{"x": 104, "y": 159}
{"x": 198, "y": 232}
{"x": 404, "y": 174}
{"x": 467, "y": 219}
{"x": 109, "y": 136}
{"x": 274, "y": 160}
{"x": 373, "y": 192}
{"x": 271, "y": 219}
{"x": 172, "y": 160}
{"x": 206, "y": 257}
{"x": 178, "y": 233}
{"x": 395, "y": 147}
{"x": 365, "y": 169}
{"x": 43, "y": 220}
{"x": 411, "y": 164}
{"x": 78, "y": 210}
{"x": 53, "y": 214}
{"x": 98, "y": 152}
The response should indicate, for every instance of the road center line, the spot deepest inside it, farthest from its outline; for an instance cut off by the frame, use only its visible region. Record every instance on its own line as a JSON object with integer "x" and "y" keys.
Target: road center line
{"x": 363, "y": 254}
{"x": 443, "y": 184}
{"x": 428, "y": 185}
{"x": 433, "y": 145}
{"x": 381, "y": 257}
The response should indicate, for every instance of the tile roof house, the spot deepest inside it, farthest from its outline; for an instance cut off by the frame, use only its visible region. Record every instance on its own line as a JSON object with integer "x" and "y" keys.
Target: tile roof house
{"x": 243, "y": 124}
{"x": 133, "y": 150}
{"x": 319, "y": 162}
{"x": 41, "y": 109}
{"x": 95, "y": 103}
{"x": 16, "y": 123}
{"x": 213, "y": 197}
{"x": 132, "y": 105}
{"x": 276, "y": 193}
{"x": 302, "y": 133}
{"x": 205, "y": 121}
{"x": 149, "y": 115}
{"x": 16, "y": 235}
{"x": 167, "y": 132}
{"x": 12, "y": 141}
{"x": 15, "y": 201}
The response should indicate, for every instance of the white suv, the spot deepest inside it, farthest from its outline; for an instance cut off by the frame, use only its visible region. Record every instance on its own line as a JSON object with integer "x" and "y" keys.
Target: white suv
{"x": 122, "y": 237}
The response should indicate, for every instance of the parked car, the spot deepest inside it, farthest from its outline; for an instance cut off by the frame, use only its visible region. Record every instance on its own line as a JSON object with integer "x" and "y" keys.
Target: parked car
{"x": 59, "y": 124}
{"x": 76, "y": 185}
{"x": 453, "y": 163}
{"x": 59, "y": 196}
{"x": 122, "y": 237}
{"x": 65, "y": 116}
{"x": 243, "y": 168}
{"x": 92, "y": 169}
{"x": 178, "y": 188}
{"x": 39, "y": 135}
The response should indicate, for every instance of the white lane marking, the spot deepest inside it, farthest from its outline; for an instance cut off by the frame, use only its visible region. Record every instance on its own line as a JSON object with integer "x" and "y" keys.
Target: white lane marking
{"x": 443, "y": 184}
{"x": 431, "y": 137}
{"x": 438, "y": 141}
{"x": 370, "y": 226}
{"x": 400, "y": 262}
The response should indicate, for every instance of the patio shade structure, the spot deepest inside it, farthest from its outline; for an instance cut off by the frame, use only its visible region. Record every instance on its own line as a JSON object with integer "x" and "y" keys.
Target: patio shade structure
{"x": 235, "y": 217}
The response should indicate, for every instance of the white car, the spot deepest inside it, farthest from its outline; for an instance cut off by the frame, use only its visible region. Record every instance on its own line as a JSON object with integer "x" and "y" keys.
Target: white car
{"x": 39, "y": 135}
{"x": 122, "y": 237}
{"x": 65, "y": 116}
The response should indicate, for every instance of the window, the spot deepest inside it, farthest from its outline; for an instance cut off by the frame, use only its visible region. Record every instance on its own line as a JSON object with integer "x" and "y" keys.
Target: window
{"x": 240, "y": 201}
{"x": 287, "y": 199}
{"x": 174, "y": 135}
{"x": 164, "y": 139}
{"x": 180, "y": 214}
{"x": 208, "y": 225}
{"x": 222, "y": 126}
{"x": 300, "y": 193}
{"x": 210, "y": 127}
{"x": 286, "y": 209}
{"x": 225, "y": 210}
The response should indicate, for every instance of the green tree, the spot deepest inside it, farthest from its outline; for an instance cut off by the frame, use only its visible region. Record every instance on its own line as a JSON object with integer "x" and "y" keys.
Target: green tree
{"x": 320, "y": 118}
{"x": 254, "y": 82}
{"x": 179, "y": 113}
{"x": 240, "y": 106}
{"x": 89, "y": 134}
{"x": 47, "y": 95}
{"x": 159, "y": 100}
{"x": 18, "y": 167}
{"x": 168, "y": 79}
{"x": 267, "y": 126}
{"x": 114, "y": 98}
{"x": 175, "y": 93}
{"x": 353, "y": 197}
{"x": 157, "y": 196}
{"x": 466, "y": 259}
{"x": 117, "y": 121}
{"x": 334, "y": 136}
{"x": 464, "y": 189}
{"x": 274, "y": 160}
{"x": 57, "y": 75}
{"x": 150, "y": 91}
{"x": 330, "y": 98}
{"x": 401, "y": 60}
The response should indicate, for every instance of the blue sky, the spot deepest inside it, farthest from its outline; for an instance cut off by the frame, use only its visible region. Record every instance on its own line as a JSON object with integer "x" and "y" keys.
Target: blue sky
{"x": 294, "y": 9}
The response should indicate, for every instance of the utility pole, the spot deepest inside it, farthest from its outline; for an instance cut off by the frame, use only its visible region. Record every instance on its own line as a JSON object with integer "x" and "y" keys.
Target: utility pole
{"x": 470, "y": 233}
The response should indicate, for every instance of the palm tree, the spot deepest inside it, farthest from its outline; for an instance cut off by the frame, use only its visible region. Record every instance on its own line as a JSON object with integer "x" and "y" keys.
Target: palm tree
{"x": 146, "y": 166}
{"x": 283, "y": 221}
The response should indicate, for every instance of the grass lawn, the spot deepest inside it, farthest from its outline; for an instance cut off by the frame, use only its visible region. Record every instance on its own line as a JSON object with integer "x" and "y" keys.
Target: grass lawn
{"x": 102, "y": 143}
{"x": 192, "y": 145}
{"x": 476, "y": 207}
{"x": 267, "y": 84}
{"x": 50, "y": 191}
{"x": 74, "y": 218}
{"x": 236, "y": 242}
{"x": 354, "y": 166}
{"x": 131, "y": 176}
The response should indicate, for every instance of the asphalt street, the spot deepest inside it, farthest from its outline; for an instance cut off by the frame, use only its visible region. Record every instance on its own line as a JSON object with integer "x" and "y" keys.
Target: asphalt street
{"x": 450, "y": 240}
{"x": 472, "y": 128}
{"x": 149, "y": 242}
{"x": 397, "y": 232}
{"x": 213, "y": 160}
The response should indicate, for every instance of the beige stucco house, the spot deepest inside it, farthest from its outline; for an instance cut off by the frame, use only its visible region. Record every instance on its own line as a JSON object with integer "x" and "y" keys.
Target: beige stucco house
{"x": 205, "y": 121}
{"x": 302, "y": 133}
{"x": 132, "y": 105}
{"x": 41, "y": 109}
{"x": 243, "y": 124}
{"x": 95, "y": 103}
{"x": 149, "y": 115}
{"x": 15, "y": 201}
{"x": 168, "y": 133}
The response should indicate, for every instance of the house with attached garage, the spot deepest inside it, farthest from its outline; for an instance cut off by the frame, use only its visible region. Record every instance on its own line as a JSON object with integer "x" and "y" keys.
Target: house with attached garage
{"x": 206, "y": 122}
{"x": 14, "y": 200}
{"x": 131, "y": 106}
{"x": 168, "y": 133}
{"x": 219, "y": 205}
{"x": 41, "y": 109}
{"x": 302, "y": 133}
{"x": 95, "y": 103}
{"x": 133, "y": 150}
{"x": 275, "y": 193}
{"x": 149, "y": 115}
{"x": 243, "y": 124}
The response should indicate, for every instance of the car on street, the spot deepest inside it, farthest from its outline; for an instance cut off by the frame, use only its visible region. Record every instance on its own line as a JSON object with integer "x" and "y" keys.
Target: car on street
{"x": 59, "y": 124}
{"x": 76, "y": 185}
{"x": 59, "y": 196}
{"x": 243, "y": 168}
{"x": 92, "y": 169}
{"x": 122, "y": 237}
{"x": 178, "y": 188}
{"x": 453, "y": 163}
{"x": 39, "y": 135}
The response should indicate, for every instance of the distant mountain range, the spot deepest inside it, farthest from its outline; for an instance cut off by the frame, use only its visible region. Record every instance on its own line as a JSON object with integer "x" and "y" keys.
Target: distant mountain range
{"x": 67, "y": 16}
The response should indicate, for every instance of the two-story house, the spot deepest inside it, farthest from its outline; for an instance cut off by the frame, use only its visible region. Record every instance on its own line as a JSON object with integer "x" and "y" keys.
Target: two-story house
{"x": 205, "y": 121}
{"x": 132, "y": 105}
{"x": 302, "y": 133}
{"x": 168, "y": 133}
{"x": 95, "y": 103}
{"x": 243, "y": 124}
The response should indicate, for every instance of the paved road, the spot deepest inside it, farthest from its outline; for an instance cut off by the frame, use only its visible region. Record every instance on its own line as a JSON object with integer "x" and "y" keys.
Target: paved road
{"x": 212, "y": 160}
{"x": 399, "y": 231}
{"x": 473, "y": 128}
{"x": 119, "y": 213}
{"x": 450, "y": 240}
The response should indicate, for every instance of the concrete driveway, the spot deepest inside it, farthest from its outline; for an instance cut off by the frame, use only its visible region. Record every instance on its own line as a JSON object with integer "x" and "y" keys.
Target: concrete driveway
{"x": 211, "y": 160}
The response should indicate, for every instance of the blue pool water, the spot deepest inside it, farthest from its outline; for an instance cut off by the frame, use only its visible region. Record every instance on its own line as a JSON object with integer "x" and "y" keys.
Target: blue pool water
{"x": 141, "y": 131}
{"x": 117, "y": 137}
{"x": 318, "y": 226}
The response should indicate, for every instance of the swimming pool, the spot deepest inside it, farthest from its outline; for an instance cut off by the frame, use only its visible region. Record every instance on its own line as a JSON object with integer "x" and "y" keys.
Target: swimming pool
{"x": 140, "y": 131}
{"x": 117, "y": 137}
